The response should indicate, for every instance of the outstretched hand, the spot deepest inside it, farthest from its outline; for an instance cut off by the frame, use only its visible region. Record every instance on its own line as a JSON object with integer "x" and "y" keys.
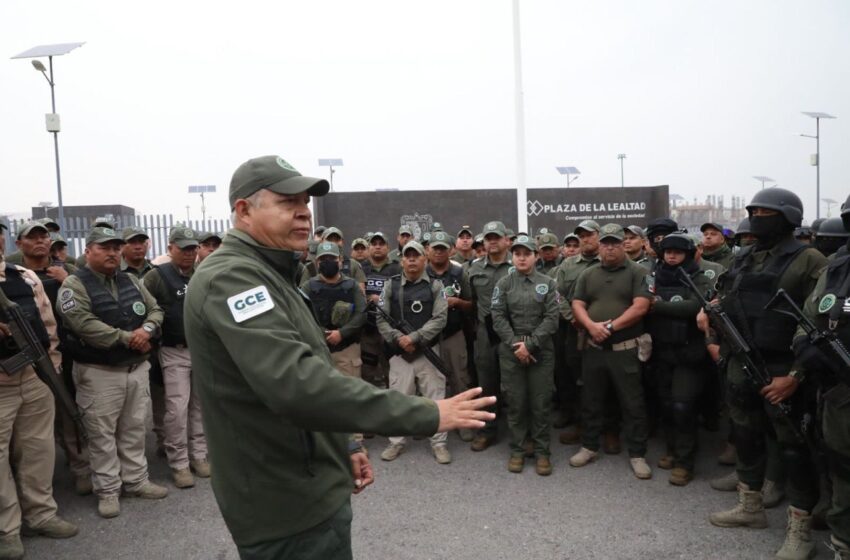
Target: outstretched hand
{"x": 464, "y": 411}
{"x": 361, "y": 470}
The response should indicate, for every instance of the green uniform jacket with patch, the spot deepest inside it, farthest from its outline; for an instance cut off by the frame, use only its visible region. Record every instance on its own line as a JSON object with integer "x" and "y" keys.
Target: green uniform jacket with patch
{"x": 723, "y": 256}
{"x": 483, "y": 276}
{"x": 276, "y": 413}
{"x": 525, "y": 309}
{"x": 566, "y": 276}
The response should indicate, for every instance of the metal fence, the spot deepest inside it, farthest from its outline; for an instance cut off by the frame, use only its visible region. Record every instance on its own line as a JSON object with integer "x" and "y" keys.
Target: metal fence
{"x": 157, "y": 227}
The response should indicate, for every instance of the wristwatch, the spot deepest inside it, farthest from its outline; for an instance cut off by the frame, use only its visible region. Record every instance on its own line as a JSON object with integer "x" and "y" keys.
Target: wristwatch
{"x": 610, "y": 326}
{"x": 149, "y": 328}
{"x": 798, "y": 375}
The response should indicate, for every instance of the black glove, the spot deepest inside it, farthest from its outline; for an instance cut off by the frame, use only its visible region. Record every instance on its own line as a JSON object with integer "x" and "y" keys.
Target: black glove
{"x": 810, "y": 356}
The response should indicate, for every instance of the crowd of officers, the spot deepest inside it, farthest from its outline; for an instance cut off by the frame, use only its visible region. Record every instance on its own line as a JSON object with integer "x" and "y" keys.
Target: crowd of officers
{"x": 596, "y": 334}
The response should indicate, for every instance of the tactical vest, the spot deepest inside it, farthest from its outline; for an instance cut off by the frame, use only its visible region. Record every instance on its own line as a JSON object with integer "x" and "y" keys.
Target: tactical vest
{"x": 834, "y": 304}
{"x": 173, "y": 333}
{"x": 670, "y": 330}
{"x": 413, "y": 303}
{"x": 375, "y": 280}
{"x": 18, "y": 291}
{"x": 51, "y": 285}
{"x": 325, "y": 296}
{"x": 769, "y": 331}
{"x": 451, "y": 281}
{"x": 119, "y": 314}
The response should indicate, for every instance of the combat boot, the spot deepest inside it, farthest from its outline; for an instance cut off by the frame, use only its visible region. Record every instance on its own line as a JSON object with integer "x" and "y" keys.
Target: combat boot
{"x": 772, "y": 494}
{"x": 54, "y": 528}
{"x": 543, "y": 466}
{"x": 183, "y": 478}
{"x": 108, "y": 506}
{"x": 798, "y": 543}
{"x": 83, "y": 485}
{"x": 728, "y": 483}
{"x": 148, "y": 491}
{"x": 516, "y": 463}
{"x": 11, "y": 547}
{"x": 392, "y": 451}
{"x": 665, "y": 462}
{"x": 441, "y": 454}
{"x": 748, "y": 513}
{"x": 201, "y": 467}
{"x": 583, "y": 457}
{"x": 480, "y": 443}
{"x": 840, "y": 549}
{"x": 680, "y": 476}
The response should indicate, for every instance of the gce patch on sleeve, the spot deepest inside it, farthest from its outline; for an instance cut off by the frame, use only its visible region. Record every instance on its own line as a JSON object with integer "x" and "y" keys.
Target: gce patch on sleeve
{"x": 250, "y": 303}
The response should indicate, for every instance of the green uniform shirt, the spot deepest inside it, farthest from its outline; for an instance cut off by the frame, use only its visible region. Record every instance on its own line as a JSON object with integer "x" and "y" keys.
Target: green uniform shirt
{"x": 525, "y": 309}
{"x": 483, "y": 276}
{"x": 566, "y": 276}
{"x": 137, "y": 272}
{"x": 609, "y": 291}
{"x": 79, "y": 319}
{"x": 276, "y": 412}
{"x": 432, "y": 328}
{"x": 722, "y": 256}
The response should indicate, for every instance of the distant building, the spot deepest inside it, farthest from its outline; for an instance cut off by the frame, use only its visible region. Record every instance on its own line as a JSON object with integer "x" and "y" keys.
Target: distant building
{"x": 88, "y": 214}
{"x": 692, "y": 215}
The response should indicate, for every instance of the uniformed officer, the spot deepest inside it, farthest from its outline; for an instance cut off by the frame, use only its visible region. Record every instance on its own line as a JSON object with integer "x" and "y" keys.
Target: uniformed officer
{"x": 360, "y": 250}
{"x": 483, "y": 276}
{"x": 276, "y": 409}
{"x": 478, "y": 247}
{"x": 744, "y": 236}
{"x": 804, "y": 234}
{"x": 110, "y": 319}
{"x": 340, "y": 307}
{"x": 350, "y": 267}
{"x": 610, "y": 302}
{"x": 208, "y": 242}
{"x": 714, "y": 245}
{"x": 828, "y": 308}
{"x": 134, "y": 251}
{"x": 548, "y": 257}
{"x": 677, "y": 368}
{"x": 525, "y": 316}
{"x": 635, "y": 244}
{"x": 27, "y": 449}
{"x": 656, "y": 230}
{"x": 464, "y": 253}
{"x": 413, "y": 297}
{"x": 458, "y": 295}
{"x": 831, "y": 237}
{"x": 776, "y": 261}
{"x": 571, "y": 246}
{"x": 100, "y": 221}
{"x": 378, "y": 269}
{"x": 405, "y": 234}
{"x": 58, "y": 249}
{"x": 184, "y": 442}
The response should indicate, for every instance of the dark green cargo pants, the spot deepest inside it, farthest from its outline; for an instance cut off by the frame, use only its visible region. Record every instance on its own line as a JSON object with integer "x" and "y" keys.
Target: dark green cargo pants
{"x": 489, "y": 377}
{"x": 677, "y": 387}
{"x": 528, "y": 391}
{"x": 836, "y": 435}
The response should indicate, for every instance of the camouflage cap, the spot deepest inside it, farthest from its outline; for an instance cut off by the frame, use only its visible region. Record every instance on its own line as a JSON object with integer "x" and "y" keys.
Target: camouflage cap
{"x": 547, "y": 239}
{"x": 327, "y": 248}
{"x": 319, "y": 230}
{"x": 359, "y": 241}
{"x": 29, "y": 227}
{"x": 611, "y": 231}
{"x": 413, "y": 246}
{"x": 441, "y": 239}
{"x": 130, "y": 232}
{"x": 102, "y": 235}
{"x": 587, "y": 225}
{"x": 524, "y": 241}
{"x": 275, "y": 174}
{"x": 332, "y": 231}
{"x": 312, "y": 245}
{"x": 494, "y": 227}
{"x": 56, "y": 239}
{"x": 183, "y": 237}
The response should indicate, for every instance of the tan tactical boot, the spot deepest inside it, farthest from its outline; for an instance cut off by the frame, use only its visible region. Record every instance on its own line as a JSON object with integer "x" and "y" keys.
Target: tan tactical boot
{"x": 183, "y": 478}
{"x": 480, "y": 443}
{"x": 680, "y": 476}
{"x": 748, "y": 513}
{"x": 441, "y": 453}
{"x": 148, "y": 491}
{"x": 515, "y": 464}
{"x": 641, "y": 468}
{"x": 583, "y": 457}
{"x": 665, "y": 462}
{"x": 772, "y": 494}
{"x": 728, "y": 483}
{"x": 201, "y": 468}
{"x": 11, "y": 547}
{"x": 392, "y": 451}
{"x": 840, "y": 549}
{"x": 798, "y": 543}
{"x": 543, "y": 466}
{"x": 108, "y": 506}
{"x": 54, "y": 528}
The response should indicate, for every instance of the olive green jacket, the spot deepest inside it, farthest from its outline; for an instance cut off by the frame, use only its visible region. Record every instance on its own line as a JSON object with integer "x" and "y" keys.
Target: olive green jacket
{"x": 525, "y": 309}
{"x": 276, "y": 413}
{"x": 566, "y": 276}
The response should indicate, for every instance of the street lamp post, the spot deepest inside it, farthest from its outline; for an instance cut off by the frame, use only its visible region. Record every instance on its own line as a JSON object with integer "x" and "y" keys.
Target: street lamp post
{"x": 331, "y": 163}
{"x": 829, "y": 204}
{"x": 568, "y": 171}
{"x": 621, "y": 157}
{"x": 201, "y": 189}
{"x": 763, "y": 180}
{"x": 53, "y": 123}
{"x": 817, "y": 116}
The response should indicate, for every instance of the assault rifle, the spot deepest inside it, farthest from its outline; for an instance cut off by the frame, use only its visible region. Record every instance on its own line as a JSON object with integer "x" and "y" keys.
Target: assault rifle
{"x": 406, "y": 329}
{"x": 31, "y": 352}
{"x": 816, "y": 336}
{"x": 742, "y": 350}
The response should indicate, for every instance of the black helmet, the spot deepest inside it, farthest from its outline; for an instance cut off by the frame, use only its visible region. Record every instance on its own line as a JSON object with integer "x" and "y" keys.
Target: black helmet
{"x": 743, "y": 227}
{"x": 681, "y": 241}
{"x": 832, "y": 227}
{"x": 660, "y": 226}
{"x": 816, "y": 224}
{"x": 803, "y": 231}
{"x": 782, "y": 200}
{"x": 845, "y": 213}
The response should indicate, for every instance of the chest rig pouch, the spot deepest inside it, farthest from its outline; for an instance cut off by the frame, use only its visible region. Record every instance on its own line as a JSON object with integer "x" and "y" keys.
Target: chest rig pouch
{"x": 375, "y": 280}
{"x": 414, "y": 304}
{"x": 19, "y": 291}
{"x": 451, "y": 288}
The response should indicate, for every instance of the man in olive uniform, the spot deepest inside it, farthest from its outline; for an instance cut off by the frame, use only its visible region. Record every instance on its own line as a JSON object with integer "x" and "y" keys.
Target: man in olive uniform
{"x": 184, "y": 443}
{"x": 100, "y": 221}
{"x": 610, "y": 302}
{"x": 464, "y": 252}
{"x": 525, "y": 316}
{"x": 413, "y": 297}
{"x": 350, "y": 267}
{"x": 635, "y": 243}
{"x": 483, "y": 276}
{"x": 134, "y": 252}
{"x": 776, "y": 261}
{"x": 208, "y": 242}
{"x": 360, "y": 250}
{"x": 829, "y": 309}
{"x": 714, "y": 245}
{"x": 58, "y": 250}
{"x": 571, "y": 246}
{"x": 744, "y": 236}
{"x": 655, "y": 231}
{"x": 109, "y": 320}
{"x": 548, "y": 254}
{"x": 276, "y": 409}
{"x": 677, "y": 368}
{"x": 378, "y": 269}
{"x": 405, "y": 234}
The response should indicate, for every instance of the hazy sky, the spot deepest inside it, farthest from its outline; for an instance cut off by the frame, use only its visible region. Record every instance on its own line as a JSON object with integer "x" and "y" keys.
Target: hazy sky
{"x": 699, "y": 95}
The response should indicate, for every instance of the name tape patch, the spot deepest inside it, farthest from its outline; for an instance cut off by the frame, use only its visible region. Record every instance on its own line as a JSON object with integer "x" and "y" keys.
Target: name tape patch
{"x": 250, "y": 303}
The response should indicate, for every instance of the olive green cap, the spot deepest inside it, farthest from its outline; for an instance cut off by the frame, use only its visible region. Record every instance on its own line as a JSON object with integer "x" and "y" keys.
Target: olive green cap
{"x": 524, "y": 241}
{"x": 637, "y": 230}
{"x": 104, "y": 222}
{"x": 377, "y": 234}
{"x": 426, "y": 238}
{"x": 204, "y": 236}
{"x": 510, "y": 233}
{"x": 183, "y": 237}
{"x": 441, "y": 239}
{"x": 102, "y": 235}
{"x": 50, "y": 222}
{"x": 359, "y": 241}
{"x": 571, "y": 236}
{"x": 466, "y": 229}
{"x": 611, "y": 231}
{"x": 56, "y": 239}
{"x": 415, "y": 245}
{"x": 275, "y": 174}
{"x": 332, "y": 231}
{"x": 437, "y": 226}
{"x": 30, "y": 226}
{"x": 547, "y": 240}
{"x": 587, "y": 225}
{"x": 405, "y": 229}
{"x": 479, "y": 239}
{"x": 494, "y": 227}
{"x": 130, "y": 232}
{"x": 327, "y": 248}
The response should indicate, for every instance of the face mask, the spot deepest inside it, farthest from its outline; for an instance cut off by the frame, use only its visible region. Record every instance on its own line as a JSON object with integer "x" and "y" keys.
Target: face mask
{"x": 769, "y": 229}
{"x": 829, "y": 245}
{"x": 329, "y": 269}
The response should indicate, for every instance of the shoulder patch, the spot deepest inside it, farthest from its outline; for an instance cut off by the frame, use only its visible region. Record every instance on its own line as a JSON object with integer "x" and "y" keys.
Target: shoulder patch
{"x": 826, "y": 303}
{"x": 68, "y": 305}
{"x": 66, "y": 294}
{"x": 542, "y": 289}
{"x": 512, "y": 269}
{"x": 710, "y": 274}
{"x": 677, "y": 298}
{"x": 139, "y": 308}
{"x": 250, "y": 303}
